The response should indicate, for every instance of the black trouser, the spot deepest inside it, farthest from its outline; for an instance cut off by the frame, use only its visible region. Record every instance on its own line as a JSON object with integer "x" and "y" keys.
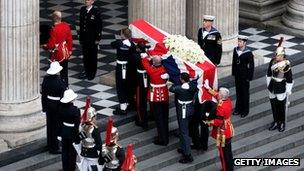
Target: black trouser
{"x": 183, "y": 124}
{"x": 121, "y": 85}
{"x": 68, "y": 155}
{"x": 64, "y": 72}
{"x": 89, "y": 51}
{"x": 52, "y": 125}
{"x": 160, "y": 111}
{"x": 278, "y": 110}
{"x": 242, "y": 95}
{"x": 141, "y": 104}
{"x": 199, "y": 137}
{"x": 226, "y": 156}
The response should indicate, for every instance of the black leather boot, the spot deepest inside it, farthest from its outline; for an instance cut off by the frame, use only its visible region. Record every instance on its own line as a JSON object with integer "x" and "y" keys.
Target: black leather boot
{"x": 186, "y": 159}
{"x": 281, "y": 127}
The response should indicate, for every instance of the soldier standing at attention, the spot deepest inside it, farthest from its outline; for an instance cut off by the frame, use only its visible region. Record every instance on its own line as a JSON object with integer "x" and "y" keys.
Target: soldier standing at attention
{"x": 242, "y": 70}
{"x": 70, "y": 115}
{"x": 210, "y": 40}
{"x": 279, "y": 84}
{"x": 89, "y": 37}
{"x": 52, "y": 90}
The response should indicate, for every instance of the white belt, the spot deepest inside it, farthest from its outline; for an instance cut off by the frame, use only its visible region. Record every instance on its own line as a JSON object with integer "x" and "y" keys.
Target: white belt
{"x": 184, "y": 102}
{"x": 277, "y": 79}
{"x": 53, "y": 98}
{"x": 123, "y": 68}
{"x": 68, "y": 124}
{"x": 157, "y": 85}
{"x": 121, "y": 62}
{"x": 141, "y": 71}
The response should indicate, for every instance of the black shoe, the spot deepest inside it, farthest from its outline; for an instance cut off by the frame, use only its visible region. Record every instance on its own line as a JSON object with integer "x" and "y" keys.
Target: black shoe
{"x": 186, "y": 159}
{"x": 281, "y": 127}
{"x": 273, "y": 126}
{"x": 179, "y": 150}
{"x": 118, "y": 111}
{"x": 55, "y": 152}
{"x": 157, "y": 142}
{"x": 82, "y": 75}
{"x": 243, "y": 115}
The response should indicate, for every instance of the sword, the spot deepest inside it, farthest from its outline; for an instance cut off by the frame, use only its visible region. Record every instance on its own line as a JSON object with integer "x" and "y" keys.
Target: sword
{"x": 286, "y": 107}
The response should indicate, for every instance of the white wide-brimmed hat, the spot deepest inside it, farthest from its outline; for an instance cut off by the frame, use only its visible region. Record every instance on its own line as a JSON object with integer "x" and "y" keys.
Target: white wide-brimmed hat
{"x": 68, "y": 96}
{"x": 243, "y": 37}
{"x": 54, "y": 68}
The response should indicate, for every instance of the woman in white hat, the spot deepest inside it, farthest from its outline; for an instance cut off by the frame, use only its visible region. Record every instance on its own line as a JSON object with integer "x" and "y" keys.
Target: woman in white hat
{"x": 70, "y": 115}
{"x": 52, "y": 91}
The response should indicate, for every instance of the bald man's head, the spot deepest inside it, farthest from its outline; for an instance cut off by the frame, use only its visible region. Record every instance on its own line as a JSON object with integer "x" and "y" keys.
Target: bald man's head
{"x": 56, "y": 16}
{"x": 156, "y": 60}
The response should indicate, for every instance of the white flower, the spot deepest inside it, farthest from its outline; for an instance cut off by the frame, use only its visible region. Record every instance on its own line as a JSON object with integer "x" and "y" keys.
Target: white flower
{"x": 184, "y": 48}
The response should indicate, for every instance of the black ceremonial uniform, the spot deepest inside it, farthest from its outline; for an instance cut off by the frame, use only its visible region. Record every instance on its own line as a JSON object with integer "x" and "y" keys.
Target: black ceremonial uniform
{"x": 90, "y": 32}
{"x": 185, "y": 110}
{"x": 125, "y": 50}
{"x": 211, "y": 44}
{"x": 70, "y": 123}
{"x": 52, "y": 90}
{"x": 242, "y": 70}
{"x": 279, "y": 82}
{"x": 142, "y": 84}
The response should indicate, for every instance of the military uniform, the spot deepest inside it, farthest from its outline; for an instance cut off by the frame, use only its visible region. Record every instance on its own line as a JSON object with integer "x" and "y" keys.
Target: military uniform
{"x": 142, "y": 84}
{"x": 90, "y": 33}
{"x": 125, "y": 50}
{"x": 185, "y": 110}
{"x": 223, "y": 132}
{"x": 112, "y": 157}
{"x": 52, "y": 90}
{"x": 279, "y": 83}
{"x": 211, "y": 43}
{"x": 158, "y": 96}
{"x": 70, "y": 123}
{"x": 242, "y": 70}
{"x": 60, "y": 45}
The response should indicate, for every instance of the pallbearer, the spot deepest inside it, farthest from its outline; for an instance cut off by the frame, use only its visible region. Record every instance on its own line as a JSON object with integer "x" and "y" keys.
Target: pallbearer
{"x": 279, "y": 84}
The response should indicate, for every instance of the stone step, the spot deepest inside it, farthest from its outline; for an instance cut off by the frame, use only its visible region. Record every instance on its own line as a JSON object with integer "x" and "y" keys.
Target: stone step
{"x": 209, "y": 159}
{"x": 161, "y": 160}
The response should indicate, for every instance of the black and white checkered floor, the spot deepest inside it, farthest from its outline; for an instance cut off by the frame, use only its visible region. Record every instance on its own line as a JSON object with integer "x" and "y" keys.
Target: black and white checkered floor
{"x": 114, "y": 14}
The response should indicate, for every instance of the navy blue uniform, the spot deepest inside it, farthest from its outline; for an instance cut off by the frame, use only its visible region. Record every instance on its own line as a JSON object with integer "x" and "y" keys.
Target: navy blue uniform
{"x": 90, "y": 33}
{"x": 52, "y": 90}
{"x": 242, "y": 70}
{"x": 211, "y": 44}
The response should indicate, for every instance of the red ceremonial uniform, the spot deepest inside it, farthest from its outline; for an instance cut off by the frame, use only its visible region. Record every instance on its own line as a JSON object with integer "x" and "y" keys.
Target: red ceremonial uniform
{"x": 223, "y": 110}
{"x": 60, "y": 34}
{"x": 158, "y": 91}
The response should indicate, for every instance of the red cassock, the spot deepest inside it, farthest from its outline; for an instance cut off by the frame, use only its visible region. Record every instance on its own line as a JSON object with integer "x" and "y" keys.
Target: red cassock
{"x": 60, "y": 36}
{"x": 158, "y": 91}
{"x": 223, "y": 110}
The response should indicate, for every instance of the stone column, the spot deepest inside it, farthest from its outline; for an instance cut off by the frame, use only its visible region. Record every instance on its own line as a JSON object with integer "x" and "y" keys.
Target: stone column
{"x": 20, "y": 104}
{"x": 227, "y": 22}
{"x": 168, "y": 15}
{"x": 294, "y": 16}
{"x": 261, "y": 10}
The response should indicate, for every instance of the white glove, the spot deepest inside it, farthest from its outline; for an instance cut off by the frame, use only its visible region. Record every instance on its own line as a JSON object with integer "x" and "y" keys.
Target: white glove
{"x": 59, "y": 138}
{"x": 206, "y": 84}
{"x": 143, "y": 55}
{"x": 164, "y": 76}
{"x": 288, "y": 88}
{"x": 127, "y": 42}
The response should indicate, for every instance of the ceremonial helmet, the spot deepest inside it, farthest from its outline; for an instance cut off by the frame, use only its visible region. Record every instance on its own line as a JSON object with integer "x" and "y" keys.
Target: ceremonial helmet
{"x": 280, "y": 51}
{"x": 114, "y": 134}
{"x": 91, "y": 113}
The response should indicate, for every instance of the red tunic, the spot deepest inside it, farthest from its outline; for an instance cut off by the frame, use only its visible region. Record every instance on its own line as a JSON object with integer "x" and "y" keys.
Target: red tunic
{"x": 223, "y": 110}
{"x": 158, "y": 91}
{"x": 59, "y": 34}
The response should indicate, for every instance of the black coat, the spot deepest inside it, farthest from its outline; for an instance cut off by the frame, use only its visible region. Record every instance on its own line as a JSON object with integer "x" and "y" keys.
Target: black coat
{"x": 90, "y": 25}
{"x": 124, "y": 52}
{"x": 243, "y": 65}
{"x": 52, "y": 85}
{"x": 279, "y": 87}
{"x": 211, "y": 44}
{"x": 70, "y": 114}
{"x": 92, "y": 152}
